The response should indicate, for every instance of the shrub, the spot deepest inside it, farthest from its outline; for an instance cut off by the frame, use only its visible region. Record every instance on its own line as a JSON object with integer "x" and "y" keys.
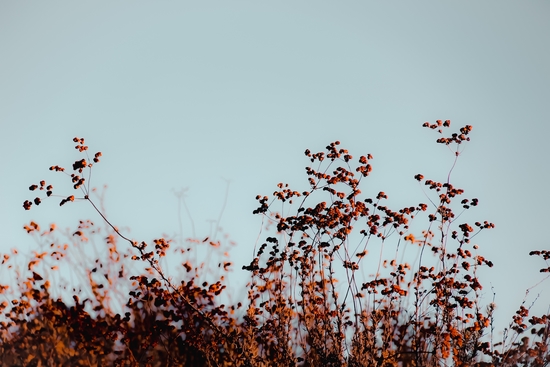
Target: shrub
{"x": 310, "y": 301}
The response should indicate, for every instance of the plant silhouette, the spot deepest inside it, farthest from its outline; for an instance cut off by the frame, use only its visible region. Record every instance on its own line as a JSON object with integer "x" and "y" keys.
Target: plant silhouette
{"x": 329, "y": 286}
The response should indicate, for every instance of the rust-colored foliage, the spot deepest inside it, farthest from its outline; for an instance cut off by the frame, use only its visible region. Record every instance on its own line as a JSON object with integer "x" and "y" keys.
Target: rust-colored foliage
{"x": 311, "y": 300}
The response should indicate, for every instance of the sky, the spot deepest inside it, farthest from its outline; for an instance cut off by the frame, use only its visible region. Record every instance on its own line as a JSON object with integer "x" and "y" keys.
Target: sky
{"x": 204, "y": 95}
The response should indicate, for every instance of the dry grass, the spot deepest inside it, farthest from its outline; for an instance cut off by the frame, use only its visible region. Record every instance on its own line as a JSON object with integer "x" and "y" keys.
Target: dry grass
{"x": 310, "y": 299}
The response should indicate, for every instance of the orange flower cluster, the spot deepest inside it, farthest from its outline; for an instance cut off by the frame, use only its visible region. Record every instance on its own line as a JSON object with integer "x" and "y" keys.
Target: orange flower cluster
{"x": 78, "y": 181}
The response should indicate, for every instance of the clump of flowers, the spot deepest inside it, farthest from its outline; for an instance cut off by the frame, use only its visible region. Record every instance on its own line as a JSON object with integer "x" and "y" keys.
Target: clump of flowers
{"x": 329, "y": 287}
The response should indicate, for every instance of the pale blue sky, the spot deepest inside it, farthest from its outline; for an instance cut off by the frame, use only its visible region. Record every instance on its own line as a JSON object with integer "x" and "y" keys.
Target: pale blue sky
{"x": 187, "y": 94}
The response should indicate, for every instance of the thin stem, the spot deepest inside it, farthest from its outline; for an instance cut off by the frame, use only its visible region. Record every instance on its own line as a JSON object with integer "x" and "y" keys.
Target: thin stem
{"x": 109, "y": 223}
